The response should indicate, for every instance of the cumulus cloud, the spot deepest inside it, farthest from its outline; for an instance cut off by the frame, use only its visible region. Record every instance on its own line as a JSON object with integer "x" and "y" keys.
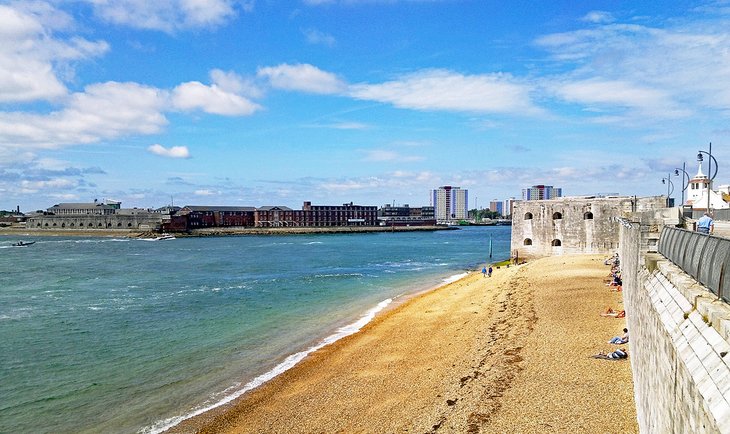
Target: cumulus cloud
{"x": 211, "y": 99}
{"x": 171, "y": 152}
{"x": 167, "y": 15}
{"x": 447, "y": 90}
{"x": 103, "y": 111}
{"x": 30, "y": 57}
{"x": 302, "y": 77}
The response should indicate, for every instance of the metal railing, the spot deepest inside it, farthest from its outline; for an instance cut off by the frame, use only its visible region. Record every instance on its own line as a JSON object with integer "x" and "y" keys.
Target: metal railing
{"x": 704, "y": 257}
{"x": 717, "y": 214}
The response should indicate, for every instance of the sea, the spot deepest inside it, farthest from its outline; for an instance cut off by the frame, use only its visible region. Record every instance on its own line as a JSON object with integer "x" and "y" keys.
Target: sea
{"x": 120, "y": 335}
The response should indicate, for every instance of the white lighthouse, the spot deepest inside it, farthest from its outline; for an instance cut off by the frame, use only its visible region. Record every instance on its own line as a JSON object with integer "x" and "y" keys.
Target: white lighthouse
{"x": 697, "y": 191}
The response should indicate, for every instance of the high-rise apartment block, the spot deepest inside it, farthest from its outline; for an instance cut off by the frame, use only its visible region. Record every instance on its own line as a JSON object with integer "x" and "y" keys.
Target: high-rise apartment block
{"x": 541, "y": 192}
{"x": 450, "y": 203}
{"x": 496, "y": 206}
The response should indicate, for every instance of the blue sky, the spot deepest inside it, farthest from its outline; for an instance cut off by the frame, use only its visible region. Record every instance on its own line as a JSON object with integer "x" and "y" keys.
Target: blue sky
{"x": 224, "y": 102}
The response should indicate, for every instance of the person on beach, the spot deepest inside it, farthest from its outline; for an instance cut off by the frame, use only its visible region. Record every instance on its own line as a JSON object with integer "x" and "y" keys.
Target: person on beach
{"x": 618, "y": 340}
{"x": 612, "y": 313}
{"x": 615, "y": 355}
{"x": 484, "y": 271}
{"x": 490, "y": 271}
{"x": 705, "y": 225}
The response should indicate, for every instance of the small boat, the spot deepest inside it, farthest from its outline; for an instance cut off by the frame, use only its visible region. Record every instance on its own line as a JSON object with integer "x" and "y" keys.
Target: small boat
{"x": 165, "y": 237}
{"x": 23, "y": 244}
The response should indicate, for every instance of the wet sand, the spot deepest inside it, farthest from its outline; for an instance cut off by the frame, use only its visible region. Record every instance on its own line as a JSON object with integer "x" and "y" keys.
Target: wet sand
{"x": 510, "y": 353}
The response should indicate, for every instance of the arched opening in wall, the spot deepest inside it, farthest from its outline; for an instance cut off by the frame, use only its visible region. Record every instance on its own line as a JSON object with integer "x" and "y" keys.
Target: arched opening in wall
{"x": 72, "y": 224}
{"x": 46, "y": 224}
{"x": 108, "y": 225}
{"x": 528, "y": 216}
{"x": 557, "y": 216}
{"x": 38, "y": 225}
{"x": 129, "y": 225}
{"x": 527, "y": 242}
{"x": 81, "y": 224}
{"x": 588, "y": 216}
{"x": 119, "y": 225}
{"x": 99, "y": 225}
{"x": 63, "y": 225}
{"x": 54, "y": 225}
{"x": 556, "y": 243}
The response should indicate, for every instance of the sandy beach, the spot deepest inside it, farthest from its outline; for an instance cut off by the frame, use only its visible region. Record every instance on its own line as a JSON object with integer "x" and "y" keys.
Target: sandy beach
{"x": 510, "y": 353}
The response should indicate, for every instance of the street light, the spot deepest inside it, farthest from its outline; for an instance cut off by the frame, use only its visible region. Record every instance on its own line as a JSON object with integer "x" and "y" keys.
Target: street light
{"x": 684, "y": 177}
{"x": 710, "y": 175}
{"x": 670, "y": 185}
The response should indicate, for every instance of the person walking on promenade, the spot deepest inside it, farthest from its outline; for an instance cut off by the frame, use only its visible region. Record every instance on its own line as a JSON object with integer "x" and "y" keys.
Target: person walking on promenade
{"x": 484, "y": 271}
{"x": 705, "y": 224}
{"x": 489, "y": 273}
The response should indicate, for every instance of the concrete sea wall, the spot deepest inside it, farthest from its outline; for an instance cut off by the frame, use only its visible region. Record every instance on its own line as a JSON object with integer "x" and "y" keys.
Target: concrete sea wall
{"x": 680, "y": 334}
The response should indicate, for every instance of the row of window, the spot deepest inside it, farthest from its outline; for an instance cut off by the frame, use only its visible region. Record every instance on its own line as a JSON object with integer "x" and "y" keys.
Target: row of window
{"x": 558, "y": 216}
{"x": 555, "y": 243}
{"x": 91, "y": 225}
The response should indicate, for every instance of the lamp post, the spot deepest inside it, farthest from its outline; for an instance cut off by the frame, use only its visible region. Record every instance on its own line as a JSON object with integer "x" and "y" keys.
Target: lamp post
{"x": 670, "y": 185}
{"x": 710, "y": 175}
{"x": 685, "y": 177}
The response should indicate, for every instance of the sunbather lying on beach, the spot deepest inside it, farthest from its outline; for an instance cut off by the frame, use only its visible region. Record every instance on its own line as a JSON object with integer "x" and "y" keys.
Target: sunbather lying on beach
{"x": 612, "y": 313}
{"x": 615, "y": 355}
{"x": 620, "y": 339}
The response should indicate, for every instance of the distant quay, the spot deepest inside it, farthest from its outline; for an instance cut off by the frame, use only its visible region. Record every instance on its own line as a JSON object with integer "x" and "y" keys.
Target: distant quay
{"x": 217, "y": 231}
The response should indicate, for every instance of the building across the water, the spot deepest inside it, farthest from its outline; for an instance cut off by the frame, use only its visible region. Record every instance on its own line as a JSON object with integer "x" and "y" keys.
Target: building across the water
{"x": 566, "y": 225}
{"x": 450, "y": 204}
{"x": 541, "y": 192}
{"x": 95, "y": 215}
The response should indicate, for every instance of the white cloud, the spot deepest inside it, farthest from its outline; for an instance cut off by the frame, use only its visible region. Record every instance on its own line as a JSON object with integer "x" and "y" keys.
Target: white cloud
{"x": 316, "y": 37}
{"x": 652, "y": 70}
{"x": 302, "y": 77}
{"x": 205, "y": 192}
{"x": 166, "y": 15}
{"x": 30, "y": 57}
{"x": 172, "y": 152}
{"x": 211, "y": 99}
{"x": 102, "y": 111}
{"x": 598, "y": 17}
{"x": 618, "y": 94}
{"x": 450, "y": 91}
{"x": 229, "y": 81}
{"x": 381, "y": 155}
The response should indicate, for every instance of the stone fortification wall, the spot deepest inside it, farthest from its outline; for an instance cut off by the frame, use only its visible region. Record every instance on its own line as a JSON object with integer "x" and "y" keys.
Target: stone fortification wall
{"x": 573, "y": 224}
{"x": 133, "y": 222}
{"x": 680, "y": 336}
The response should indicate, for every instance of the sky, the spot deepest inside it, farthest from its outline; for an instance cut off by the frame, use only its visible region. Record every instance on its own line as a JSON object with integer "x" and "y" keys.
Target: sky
{"x": 264, "y": 102}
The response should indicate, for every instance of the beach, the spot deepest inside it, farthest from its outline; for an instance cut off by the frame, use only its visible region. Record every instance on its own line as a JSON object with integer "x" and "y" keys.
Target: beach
{"x": 510, "y": 353}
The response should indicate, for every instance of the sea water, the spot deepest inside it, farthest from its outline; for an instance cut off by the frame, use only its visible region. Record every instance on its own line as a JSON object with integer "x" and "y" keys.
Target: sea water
{"x": 125, "y": 335}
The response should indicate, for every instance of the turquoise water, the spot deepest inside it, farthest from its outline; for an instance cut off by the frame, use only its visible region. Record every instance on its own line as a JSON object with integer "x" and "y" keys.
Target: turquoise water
{"x": 117, "y": 335}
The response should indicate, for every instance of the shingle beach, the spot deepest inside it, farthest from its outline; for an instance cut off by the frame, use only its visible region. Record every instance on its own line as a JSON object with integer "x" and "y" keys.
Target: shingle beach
{"x": 506, "y": 354}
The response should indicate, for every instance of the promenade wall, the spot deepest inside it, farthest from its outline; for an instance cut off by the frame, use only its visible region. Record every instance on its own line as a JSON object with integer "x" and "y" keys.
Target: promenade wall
{"x": 680, "y": 334}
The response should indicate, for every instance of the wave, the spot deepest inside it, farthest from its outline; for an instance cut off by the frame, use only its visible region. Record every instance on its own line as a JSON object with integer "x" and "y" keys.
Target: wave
{"x": 288, "y": 363}
{"x": 455, "y": 277}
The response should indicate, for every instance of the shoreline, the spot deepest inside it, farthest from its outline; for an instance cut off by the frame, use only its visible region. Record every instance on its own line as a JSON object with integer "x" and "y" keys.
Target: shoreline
{"x": 290, "y": 361}
{"x": 217, "y": 232}
{"x": 457, "y": 358}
